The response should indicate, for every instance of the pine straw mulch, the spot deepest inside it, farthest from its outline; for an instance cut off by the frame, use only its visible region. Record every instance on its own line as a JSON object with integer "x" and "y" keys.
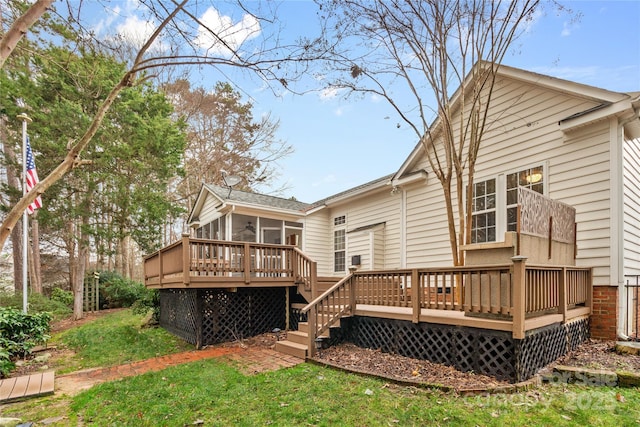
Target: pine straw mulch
{"x": 593, "y": 354}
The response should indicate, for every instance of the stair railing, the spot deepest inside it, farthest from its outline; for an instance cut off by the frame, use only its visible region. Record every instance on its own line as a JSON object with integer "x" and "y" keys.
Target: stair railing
{"x": 324, "y": 311}
{"x": 305, "y": 271}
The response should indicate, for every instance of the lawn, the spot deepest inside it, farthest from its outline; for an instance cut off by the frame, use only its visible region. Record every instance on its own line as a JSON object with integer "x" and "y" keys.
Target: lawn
{"x": 115, "y": 339}
{"x": 215, "y": 393}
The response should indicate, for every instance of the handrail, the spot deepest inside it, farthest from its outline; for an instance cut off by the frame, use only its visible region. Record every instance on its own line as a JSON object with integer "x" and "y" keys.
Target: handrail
{"x": 305, "y": 270}
{"x": 329, "y": 307}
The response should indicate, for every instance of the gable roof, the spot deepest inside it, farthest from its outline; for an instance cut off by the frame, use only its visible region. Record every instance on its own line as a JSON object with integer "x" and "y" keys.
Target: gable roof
{"x": 608, "y": 103}
{"x": 231, "y": 197}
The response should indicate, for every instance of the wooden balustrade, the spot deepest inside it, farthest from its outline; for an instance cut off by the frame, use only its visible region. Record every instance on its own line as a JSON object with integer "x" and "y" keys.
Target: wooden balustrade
{"x": 216, "y": 261}
{"x": 513, "y": 292}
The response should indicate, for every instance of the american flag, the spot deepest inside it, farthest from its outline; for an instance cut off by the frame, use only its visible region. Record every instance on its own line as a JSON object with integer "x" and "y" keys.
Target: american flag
{"x": 32, "y": 179}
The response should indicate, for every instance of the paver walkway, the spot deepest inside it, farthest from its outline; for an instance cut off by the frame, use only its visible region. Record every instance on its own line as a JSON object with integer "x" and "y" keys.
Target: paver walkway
{"x": 249, "y": 360}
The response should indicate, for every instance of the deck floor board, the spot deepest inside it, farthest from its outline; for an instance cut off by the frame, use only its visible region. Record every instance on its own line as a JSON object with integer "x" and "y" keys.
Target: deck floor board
{"x": 12, "y": 389}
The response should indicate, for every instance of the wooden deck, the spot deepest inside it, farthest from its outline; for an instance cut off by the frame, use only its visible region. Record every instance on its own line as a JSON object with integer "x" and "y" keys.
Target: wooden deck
{"x": 18, "y": 388}
{"x": 516, "y": 296}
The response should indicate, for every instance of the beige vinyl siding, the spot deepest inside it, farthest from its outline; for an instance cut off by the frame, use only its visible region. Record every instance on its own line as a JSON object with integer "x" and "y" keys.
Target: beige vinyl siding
{"x": 380, "y": 207}
{"x": 359, "y": 243}
{"x": 379, "y": 249}
{"x": 317, "y": 242}
{"x": 208, "y": 212}
{"x": 524, "y": 132}
{"x": 427, "y": 237}
{"x": 631, "y": 153}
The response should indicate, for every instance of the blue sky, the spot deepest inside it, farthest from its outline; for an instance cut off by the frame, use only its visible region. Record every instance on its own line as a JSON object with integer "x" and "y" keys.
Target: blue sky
{"x": 342, "y": 143}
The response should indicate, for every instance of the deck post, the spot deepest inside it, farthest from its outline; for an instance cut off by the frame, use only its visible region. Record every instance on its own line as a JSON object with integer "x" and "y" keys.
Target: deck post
{"x": 314, "y": 279}
{"x": 416, "y": 293}
{"x": 519, "y": 295}
{"x": 186, "y": 259}
{"x": 352, "y": 294}
{"x": 160, "y": 268}
{"x": 247, "y": 264}
{"x": 589, "y": 297}
{"x": 562, "y": 297}
{"x": 311, "y": 324}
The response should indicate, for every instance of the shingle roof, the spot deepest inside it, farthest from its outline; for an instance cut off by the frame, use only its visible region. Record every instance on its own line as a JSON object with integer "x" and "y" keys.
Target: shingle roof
{"x": 352, "y": 190}
{"x": 256, "y": 199}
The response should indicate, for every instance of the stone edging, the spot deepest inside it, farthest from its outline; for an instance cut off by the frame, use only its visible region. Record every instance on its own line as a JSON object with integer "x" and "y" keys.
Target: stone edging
{"x": 503, "y": 389}
{"x": 592, "y": 377}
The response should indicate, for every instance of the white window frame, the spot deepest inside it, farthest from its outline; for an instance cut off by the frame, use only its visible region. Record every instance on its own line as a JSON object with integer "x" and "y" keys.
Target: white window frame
{"x": 339, "y": 225}
{"x": 501, "y": 194}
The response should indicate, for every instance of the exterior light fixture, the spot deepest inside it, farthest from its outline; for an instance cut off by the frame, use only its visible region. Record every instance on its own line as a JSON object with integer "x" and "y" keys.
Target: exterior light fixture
{"x": 318, "y": 343}
{"x": 277, "y": 331}
{"x": 534, "y": 177}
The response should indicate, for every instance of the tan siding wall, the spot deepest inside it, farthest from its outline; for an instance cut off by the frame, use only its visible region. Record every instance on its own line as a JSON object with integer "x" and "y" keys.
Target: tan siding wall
{"x": 381, "y": 207}
{"x": 376, "y": 208}
{"x": 379, "y": 249}
{"x": 208, "y": 212}
{"x": 359, "y": 244}
{"x": 317, "y": 243}
{"x": 524, "y": 132}
{"x": 632, "y": 207}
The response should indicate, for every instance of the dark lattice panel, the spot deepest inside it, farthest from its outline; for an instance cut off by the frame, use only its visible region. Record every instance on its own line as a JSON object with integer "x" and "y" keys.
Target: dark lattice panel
{"x": 577, "y": 333}
{"x": 495, "y": 355}
{"x": 229, "y": 316}
{"x": 539, "y": 348}
{"x": 467, "y": 349}
{"x": 178, "y": 313}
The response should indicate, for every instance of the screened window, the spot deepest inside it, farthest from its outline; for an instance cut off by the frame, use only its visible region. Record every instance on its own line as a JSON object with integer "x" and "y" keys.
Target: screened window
{"x": 483, "y": 219}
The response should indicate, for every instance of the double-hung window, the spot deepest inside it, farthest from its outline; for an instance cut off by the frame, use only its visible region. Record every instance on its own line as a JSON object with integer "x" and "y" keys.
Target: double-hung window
{"x": 483, "y": 220}
{"x": 495, "y": 202}
{"x": 339, "y": 243}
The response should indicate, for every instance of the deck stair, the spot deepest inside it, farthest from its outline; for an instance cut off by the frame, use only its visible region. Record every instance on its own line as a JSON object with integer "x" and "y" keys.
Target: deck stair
{"x": 297, "y": 342}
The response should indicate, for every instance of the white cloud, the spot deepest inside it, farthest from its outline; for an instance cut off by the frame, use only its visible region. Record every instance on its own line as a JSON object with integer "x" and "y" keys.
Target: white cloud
{"x": 136, "y": 30}
{"x": 220, "y": 35}
{"x": 339, "y": 111}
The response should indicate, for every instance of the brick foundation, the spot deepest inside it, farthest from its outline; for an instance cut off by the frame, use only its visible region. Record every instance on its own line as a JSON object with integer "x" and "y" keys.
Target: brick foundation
{"x": 605, "y": 312}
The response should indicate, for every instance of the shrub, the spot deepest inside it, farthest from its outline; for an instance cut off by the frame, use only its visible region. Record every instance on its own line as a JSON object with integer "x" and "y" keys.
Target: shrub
{"x": 150, "y": 301}
{"x": 6, "y": 365}
{"x": 116, "y": 291}
{"x": 62, "y": 296}
{"x": 36, "y": 303}
{"x": 19, "y": 333}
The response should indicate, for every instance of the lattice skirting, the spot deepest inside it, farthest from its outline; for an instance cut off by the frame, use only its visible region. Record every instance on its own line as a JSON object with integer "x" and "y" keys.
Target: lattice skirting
{"x": 487, "y": 352}
{"x": 210, "y": 316}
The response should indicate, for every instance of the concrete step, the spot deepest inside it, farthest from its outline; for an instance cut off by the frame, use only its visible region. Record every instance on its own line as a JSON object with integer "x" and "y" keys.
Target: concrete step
{"x": 292, "y": 349}
{"x": 298, "y": 337}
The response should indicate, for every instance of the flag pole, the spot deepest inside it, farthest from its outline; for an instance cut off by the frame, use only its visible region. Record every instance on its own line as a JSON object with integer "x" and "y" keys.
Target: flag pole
{"x": 25, "y": 220}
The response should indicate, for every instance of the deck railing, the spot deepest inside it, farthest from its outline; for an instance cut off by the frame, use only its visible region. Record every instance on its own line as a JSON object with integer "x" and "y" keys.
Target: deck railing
{"x": 200, "y": 260}
{"x": 512, "y": 292}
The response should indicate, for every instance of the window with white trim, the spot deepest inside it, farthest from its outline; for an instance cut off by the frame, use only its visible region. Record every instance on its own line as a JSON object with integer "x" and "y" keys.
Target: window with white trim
{"x": 493, "y": 214}
{"x": 339, "y": 244}
{"x": 483, "y": 220}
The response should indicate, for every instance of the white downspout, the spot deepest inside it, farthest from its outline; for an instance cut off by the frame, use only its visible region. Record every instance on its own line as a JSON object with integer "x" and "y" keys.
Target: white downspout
{"x": 616, "y": 171}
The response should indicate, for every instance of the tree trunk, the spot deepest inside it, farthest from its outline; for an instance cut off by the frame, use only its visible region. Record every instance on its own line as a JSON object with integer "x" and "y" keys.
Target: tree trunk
{"x": 13, "y": 181}
{"x": 16, "y": 242}
{"x": 36, "y": 276}
{"x": 10, "y": 39}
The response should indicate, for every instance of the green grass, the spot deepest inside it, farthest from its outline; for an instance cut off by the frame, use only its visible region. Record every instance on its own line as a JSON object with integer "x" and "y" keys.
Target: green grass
{"x": 115, "y": 339}
{"x": 212, "y": 392}
{"x": 217, "y": 394}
